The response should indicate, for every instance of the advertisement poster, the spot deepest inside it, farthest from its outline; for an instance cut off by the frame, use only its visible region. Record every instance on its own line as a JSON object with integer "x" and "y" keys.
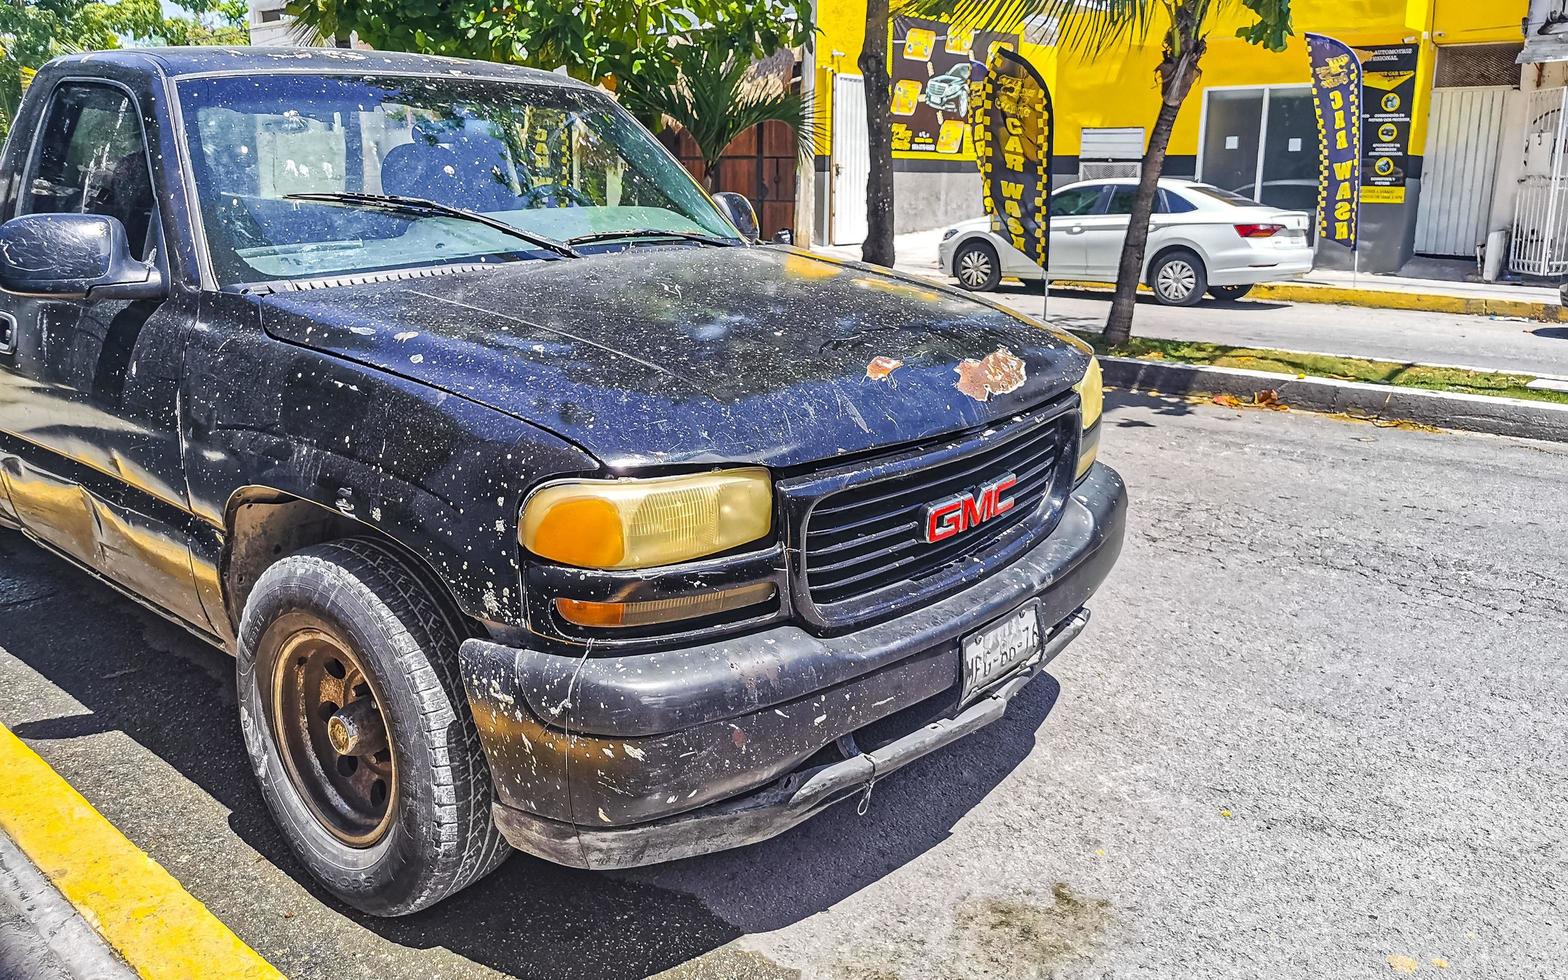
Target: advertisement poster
{"x": 932, "y": 67}
{"x": 1011, "y": 124}
{"x": 1336, "y": 97}
{"x": 1389, "y": 79}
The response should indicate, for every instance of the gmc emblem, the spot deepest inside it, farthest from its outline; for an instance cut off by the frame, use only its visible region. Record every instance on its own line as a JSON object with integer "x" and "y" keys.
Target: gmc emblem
{"x": 951, "y": 517}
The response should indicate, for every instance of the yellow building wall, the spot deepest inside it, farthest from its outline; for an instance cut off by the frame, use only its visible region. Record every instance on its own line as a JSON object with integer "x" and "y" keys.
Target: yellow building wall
{"x": 1119, "y": 87}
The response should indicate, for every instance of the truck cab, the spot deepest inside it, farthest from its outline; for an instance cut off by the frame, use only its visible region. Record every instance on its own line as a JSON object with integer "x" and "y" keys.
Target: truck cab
{"x": 540, "y": 506}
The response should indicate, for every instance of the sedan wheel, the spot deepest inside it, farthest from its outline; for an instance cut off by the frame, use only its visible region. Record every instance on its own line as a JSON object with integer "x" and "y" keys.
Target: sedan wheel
{"x": 976, "y": 266}
{"x": 1178, "y": 279}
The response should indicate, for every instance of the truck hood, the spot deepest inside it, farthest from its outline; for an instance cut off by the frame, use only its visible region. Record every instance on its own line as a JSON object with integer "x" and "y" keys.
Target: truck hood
{"x": 677, "y": 355}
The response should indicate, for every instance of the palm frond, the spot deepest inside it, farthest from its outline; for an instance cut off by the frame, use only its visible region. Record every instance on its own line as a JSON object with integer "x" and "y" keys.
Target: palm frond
{"x": 715, "y": 97}
{"x": 1089, "y": 27}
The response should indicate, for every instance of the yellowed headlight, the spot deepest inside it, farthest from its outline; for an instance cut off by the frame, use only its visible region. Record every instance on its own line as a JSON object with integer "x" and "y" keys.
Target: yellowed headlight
{"x": 646, "y": 523}
{"x": 1091, "y": 393}
{"x": 1091, "y": 396}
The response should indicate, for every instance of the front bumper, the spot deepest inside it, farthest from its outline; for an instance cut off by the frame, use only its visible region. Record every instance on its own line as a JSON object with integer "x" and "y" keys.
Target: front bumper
{"x": 620, "y": 761}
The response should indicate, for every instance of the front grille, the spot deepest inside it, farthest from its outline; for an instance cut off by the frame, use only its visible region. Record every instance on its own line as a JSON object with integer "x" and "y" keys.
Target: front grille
{"x": 864, "y": 547}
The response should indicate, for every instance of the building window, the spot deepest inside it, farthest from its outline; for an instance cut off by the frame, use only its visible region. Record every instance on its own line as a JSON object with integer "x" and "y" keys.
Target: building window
{"x": 1261, "y": 143}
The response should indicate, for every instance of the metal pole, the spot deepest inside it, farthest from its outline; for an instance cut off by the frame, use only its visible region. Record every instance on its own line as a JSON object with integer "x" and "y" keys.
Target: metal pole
{"x": 1050, "y": 182}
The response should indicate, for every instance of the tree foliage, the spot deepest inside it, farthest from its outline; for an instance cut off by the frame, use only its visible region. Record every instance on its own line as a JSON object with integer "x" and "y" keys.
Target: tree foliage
{"x": 33, "y": 31}
{"x": 592, "y": 39}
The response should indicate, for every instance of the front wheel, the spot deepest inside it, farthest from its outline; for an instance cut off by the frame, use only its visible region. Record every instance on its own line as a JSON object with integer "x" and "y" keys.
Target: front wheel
{"x": 976, "y": 266}
{"x": 1178, "y": 279}
{"x": 358, "y": 731}
{"x": 1229, "y": 294}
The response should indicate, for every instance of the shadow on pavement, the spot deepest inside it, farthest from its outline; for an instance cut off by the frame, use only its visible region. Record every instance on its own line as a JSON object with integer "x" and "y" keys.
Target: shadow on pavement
{"x": 1019, "y": 291}
{"x": 174, "y": 695}
{"x": 1170, "y": 404}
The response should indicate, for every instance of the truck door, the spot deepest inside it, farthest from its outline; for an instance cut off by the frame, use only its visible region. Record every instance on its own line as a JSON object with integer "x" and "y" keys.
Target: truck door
{"x": 89, "y": 436}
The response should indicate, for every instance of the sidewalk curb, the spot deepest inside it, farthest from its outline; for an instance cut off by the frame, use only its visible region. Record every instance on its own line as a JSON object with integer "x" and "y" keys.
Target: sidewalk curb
{"x": 1388, "y": 299}
{"x": 132, "y": 902}
{"x": 64, "y": 939}
{"x": 1448, "y": 410}
{"x": 1376, "y": 299}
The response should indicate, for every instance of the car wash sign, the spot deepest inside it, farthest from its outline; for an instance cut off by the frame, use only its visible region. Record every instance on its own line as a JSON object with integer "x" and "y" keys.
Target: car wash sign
{"x": 1010, "y": 123}
{"x": 932, "y": 65}
{"x": 1336, "y": 93}
{"x": 1388, "y": 77}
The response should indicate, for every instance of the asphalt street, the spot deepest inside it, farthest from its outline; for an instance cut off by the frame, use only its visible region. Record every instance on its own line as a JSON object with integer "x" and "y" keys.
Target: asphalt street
{"x": 1316, "y": 729}
{"x": 1401, "y": 336}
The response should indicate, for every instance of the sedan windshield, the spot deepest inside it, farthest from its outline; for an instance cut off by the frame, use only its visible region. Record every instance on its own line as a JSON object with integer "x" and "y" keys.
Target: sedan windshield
{"x": 286, "y": 166}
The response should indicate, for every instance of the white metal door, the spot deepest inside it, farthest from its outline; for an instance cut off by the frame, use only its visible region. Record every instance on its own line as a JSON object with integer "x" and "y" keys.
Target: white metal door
{"x": 851, "y": 161}
{"x": 1539, "y": 246}
{"x": 1463, "y": 143}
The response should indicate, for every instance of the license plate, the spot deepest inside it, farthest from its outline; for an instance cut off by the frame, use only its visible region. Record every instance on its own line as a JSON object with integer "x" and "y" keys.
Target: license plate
{"x": 999, "y": 648}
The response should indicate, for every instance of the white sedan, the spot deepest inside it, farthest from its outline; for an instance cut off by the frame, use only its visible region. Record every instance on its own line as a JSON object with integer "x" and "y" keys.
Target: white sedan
{"x": 1201, "y": 239}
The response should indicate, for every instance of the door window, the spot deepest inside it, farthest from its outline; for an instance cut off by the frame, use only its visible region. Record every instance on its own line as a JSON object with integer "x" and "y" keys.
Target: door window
{"x": 92, "y": 159}
{"x": 1076, "y": 202}
{"x": 1121, "y": 200}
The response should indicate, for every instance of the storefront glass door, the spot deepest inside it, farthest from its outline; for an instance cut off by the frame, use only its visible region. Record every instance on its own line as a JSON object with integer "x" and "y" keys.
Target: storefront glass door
{"x": 1262, "y": 143}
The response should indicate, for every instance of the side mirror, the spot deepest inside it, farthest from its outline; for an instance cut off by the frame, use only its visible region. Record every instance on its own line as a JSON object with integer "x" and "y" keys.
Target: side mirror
{"x": 73, "y": 256}
{"x": 740, "y": 213}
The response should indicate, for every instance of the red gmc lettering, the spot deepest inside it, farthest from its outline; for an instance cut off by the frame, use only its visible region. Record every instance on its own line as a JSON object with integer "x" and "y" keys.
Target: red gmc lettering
{"x": 956, "y": 515}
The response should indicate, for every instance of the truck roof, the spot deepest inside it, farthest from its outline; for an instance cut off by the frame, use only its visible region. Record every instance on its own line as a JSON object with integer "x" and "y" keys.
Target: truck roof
{"x": 178, "y": 61}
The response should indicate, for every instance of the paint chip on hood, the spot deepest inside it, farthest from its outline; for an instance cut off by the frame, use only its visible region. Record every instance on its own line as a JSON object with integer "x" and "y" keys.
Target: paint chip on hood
{"x": 998, "y": 373}
{"x": 881, "y": 367}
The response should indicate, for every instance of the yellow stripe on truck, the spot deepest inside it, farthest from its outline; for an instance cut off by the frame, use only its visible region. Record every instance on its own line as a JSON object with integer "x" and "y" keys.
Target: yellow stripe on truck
{"x": 140, "y": 910}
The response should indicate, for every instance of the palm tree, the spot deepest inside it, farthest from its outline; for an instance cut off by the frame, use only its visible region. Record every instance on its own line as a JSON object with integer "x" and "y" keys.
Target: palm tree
{"x": 715, "y": 97}
{"x": 1096, "y": 30}
{"x": 878, "y": 248}
{"x": 322, "y": 22}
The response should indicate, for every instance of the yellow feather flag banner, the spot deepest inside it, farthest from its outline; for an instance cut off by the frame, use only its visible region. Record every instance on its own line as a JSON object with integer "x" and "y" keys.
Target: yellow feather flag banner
{"x": 1336, "y": 94}
{"x": 1010, "y": 119}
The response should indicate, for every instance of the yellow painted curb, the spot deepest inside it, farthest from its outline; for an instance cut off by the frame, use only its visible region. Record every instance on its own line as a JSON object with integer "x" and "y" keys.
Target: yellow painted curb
{"x": 1383, "y": 299}
{"x": 139, "y": 909}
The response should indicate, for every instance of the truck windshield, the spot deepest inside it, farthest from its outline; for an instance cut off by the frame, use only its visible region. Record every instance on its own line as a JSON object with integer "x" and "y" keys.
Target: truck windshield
{"x": 558, "y": 162}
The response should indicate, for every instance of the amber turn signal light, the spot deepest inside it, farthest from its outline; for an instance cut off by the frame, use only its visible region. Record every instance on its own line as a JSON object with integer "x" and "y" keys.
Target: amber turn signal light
{"x": 627, "y": 614}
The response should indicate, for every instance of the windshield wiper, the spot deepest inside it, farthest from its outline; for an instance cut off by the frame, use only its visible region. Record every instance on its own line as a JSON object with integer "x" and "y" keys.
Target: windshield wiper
{"x": 688, "y": 236}
{"x": 396, "y": 202}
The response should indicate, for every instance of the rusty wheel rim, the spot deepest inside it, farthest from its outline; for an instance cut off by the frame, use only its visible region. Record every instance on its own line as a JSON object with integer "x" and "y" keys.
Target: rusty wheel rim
{"x": 333, "y": 737}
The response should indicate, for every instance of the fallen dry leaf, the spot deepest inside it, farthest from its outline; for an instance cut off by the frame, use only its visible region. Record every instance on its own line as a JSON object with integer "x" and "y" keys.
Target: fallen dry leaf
{"x": 1229, "y": 401}
{"x": 1400, "y": 963}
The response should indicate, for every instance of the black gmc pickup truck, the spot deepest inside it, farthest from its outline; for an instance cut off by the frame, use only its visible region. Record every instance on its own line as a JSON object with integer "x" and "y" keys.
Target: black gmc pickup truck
{"x": 541, "y": 506}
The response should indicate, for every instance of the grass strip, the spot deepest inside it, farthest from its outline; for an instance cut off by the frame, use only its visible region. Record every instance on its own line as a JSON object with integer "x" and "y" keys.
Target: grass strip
{"x": 1495, "y": 383}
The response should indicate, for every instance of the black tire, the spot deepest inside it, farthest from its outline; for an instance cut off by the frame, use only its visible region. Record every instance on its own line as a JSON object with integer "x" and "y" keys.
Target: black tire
{"x": 976, "y": 266}
{"x": 435, "y": 835}
{"x": 1178, "y": 278}
{"x": 1229, "y": 294}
